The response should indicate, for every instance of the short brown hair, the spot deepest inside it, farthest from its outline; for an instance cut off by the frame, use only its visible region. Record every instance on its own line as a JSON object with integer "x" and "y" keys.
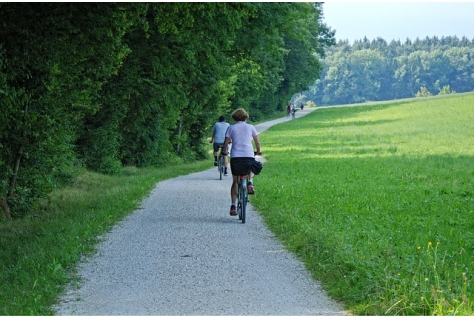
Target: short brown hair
{"x": 240, "y": 115}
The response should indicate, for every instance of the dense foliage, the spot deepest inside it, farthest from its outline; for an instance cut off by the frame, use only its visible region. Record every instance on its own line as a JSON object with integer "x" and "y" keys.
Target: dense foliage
{"x": 113, "y": 84}
{"x": 378, "y": 71}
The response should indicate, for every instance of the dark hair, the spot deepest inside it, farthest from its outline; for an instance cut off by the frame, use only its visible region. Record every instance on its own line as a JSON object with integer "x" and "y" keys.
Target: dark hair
{"x": 221, "y": 118}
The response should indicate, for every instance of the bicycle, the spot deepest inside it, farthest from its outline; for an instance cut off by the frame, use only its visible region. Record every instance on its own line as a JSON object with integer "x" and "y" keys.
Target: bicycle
{"x": 221, "y": 163}
{"x": 242, "y": 195}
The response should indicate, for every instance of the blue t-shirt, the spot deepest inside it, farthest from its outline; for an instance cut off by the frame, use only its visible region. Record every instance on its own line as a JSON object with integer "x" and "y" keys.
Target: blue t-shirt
{"x": 219, "y": 129}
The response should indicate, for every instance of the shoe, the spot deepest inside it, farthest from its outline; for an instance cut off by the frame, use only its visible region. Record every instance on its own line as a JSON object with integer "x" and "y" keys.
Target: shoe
{"x": 225, "y": 172}
{"x": 233, "y": 211}
{"x": 215, "y": 163}
{"x": 250, "y": 189}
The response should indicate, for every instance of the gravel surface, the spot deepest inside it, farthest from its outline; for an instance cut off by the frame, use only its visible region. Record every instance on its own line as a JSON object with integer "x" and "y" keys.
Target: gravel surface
{"x": 181, "y": 253}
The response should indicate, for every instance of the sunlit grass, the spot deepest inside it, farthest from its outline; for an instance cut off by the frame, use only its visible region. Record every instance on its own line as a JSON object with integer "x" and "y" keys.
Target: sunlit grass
{"x": 356, "y": 191}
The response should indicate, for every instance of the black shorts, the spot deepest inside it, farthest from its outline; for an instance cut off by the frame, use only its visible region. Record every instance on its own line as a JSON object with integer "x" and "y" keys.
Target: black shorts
{"x": 217, "y": 146}
{"x": 241, "y": 165}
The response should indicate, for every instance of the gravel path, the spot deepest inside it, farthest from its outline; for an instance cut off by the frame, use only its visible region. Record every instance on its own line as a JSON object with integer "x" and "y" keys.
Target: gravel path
{"x": 181, "y": 253}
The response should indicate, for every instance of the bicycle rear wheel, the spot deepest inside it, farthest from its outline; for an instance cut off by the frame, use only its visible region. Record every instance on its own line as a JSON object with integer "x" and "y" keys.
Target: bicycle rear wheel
{"x": 239, "y": 201}
{"x": 243, "y": 200}
{"x": 221, "y": 166}
{"x": 244, "y": 205}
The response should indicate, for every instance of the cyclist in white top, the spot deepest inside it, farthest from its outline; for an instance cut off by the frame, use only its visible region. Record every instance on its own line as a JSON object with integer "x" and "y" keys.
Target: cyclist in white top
{"x": 217, "y": 139}
{"x": 241, "y": 135}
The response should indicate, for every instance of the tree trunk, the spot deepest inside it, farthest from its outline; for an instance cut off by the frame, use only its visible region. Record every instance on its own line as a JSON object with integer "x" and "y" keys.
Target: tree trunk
{"x": 180, "y": 127}
{"x": 6, "y": 209}
{"x": 16, "y": 168}
{"x": 11, "y": 187}
{"x": 17, "y": 160}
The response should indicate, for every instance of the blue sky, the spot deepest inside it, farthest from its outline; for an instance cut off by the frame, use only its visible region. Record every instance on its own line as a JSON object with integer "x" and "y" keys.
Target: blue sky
{"x": 399, "y": 20}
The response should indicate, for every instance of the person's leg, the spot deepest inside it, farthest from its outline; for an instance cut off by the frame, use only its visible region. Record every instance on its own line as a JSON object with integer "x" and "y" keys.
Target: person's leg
{"x": 233, "y": 195}
{"x": 216, "y": 149}
{"x": 251, "y": 188}
{"x": 226, "y": 164}
{"x": 234, "y": 189}
{"x": 226, "y": 158}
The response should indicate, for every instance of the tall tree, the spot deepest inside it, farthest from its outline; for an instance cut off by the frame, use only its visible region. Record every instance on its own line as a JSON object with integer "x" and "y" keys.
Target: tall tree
{"x": 55, "y": 59}
{"x": 277, "y": 54}
{"x": 399, "y": 70}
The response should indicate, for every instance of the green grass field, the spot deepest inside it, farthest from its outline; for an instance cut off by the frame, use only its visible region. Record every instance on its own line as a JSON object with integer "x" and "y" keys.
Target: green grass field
{"x": 378, "y": 201}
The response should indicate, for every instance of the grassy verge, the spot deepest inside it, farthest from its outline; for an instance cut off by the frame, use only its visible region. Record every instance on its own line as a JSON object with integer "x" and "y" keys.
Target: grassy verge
{"x": 379, "y": 202}
{"x": 38, "y": 254}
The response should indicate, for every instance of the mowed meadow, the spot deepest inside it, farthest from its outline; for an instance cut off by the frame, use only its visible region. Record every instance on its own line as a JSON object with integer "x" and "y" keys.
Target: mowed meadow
{"x": 378, "y": 201}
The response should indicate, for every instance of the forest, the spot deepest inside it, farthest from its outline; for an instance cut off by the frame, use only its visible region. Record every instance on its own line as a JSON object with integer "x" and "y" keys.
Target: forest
{"x": 378, "y": 71}
{"x": 108, "y": 85}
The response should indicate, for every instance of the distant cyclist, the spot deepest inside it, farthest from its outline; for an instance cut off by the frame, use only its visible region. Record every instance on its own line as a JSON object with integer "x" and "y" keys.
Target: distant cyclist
{"x": 218, "y": 137}
{"x": 241, "y": 134}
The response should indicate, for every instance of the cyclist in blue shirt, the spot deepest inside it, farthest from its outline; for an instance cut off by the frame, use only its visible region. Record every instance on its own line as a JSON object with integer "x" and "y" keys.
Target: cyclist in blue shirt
{"x": 217, "y": 139}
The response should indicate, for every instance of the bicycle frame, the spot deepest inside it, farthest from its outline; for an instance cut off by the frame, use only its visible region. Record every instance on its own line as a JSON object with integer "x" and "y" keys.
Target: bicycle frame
{"x": 220, "y": 165}
{"x": 221, "y": 162}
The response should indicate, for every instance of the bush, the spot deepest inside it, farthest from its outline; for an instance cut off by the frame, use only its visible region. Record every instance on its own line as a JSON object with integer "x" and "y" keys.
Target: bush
{"x": 446, "y": 90}
{"x": 423, "y": 92}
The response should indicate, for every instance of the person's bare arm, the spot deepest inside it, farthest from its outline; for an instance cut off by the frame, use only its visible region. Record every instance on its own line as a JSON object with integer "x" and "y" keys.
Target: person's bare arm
{"x": 212, "y": 138}
{"x": 226, "y": 143}
{"x": 257, "y": 144}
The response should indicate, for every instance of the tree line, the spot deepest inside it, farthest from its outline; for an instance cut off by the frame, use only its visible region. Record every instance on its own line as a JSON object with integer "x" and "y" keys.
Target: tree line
{"x": 376, "y": 70}
{"x": 103, "y": 85}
